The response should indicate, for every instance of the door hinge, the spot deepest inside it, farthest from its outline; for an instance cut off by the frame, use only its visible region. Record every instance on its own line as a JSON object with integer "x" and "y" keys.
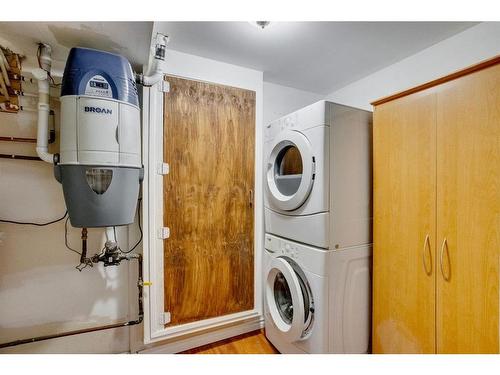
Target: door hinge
{"x": 163, "y": 233}
{"x": 164, "y": 86}
{"x": 163, "y": 169}
{"x": 165, "y": 318}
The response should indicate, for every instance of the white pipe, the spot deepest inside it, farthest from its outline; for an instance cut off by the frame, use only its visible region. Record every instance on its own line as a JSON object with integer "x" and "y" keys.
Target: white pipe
{"x": 2, "y": 55}
{"x": 3, "y": 88}
{"x": 4, "y": 61}
{"x": 42, "y": 139}
{"x": 152, "y": 79}
{"x": 110, "y": 234}
{"x": 155, "y": 70}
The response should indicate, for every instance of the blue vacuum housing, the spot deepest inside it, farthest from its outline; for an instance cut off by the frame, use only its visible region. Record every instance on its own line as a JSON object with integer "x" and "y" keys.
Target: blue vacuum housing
{"x": 85, "y": 63}
{"x": 100, "y": 165}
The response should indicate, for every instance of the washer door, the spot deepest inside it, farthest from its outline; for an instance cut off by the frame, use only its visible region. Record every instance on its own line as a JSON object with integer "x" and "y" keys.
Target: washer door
{"x": 288, "y": 300}
{"x": 290, "y": 171}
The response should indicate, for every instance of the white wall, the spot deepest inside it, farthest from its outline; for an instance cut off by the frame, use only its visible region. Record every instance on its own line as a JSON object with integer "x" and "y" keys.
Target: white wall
{"x": 281, "y": 100}
{"x": 464, "y": 49}
{"x": 40, "y": 290}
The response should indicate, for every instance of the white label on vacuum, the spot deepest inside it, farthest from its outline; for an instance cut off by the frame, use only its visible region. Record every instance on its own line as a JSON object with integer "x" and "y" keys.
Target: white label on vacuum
{"x": 98, "y": 86}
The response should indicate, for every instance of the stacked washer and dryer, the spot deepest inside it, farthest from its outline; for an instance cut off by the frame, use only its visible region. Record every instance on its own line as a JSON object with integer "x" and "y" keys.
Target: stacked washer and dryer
{"x": 318, "y": 230}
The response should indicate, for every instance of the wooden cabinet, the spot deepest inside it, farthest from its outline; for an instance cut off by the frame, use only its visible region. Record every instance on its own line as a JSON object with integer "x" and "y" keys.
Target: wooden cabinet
{"x": 437, "y": 216}
{"x": 404, "y": 227}
{"x": 468, "y": 212}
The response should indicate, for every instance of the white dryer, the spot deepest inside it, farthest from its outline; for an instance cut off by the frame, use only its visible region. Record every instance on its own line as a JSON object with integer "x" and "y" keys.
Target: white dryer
{"x": 318, "y": 176}
{"x": 316, "y": 301}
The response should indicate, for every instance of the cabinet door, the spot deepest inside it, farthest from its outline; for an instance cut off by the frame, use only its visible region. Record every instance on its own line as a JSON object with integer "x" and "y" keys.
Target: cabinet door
{"x": 468, "y": 213}
{"x": 404, "y": 225}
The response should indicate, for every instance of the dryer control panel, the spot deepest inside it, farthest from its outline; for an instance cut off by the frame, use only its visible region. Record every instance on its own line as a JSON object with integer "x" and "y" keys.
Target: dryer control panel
{"x": 317, "y": 114}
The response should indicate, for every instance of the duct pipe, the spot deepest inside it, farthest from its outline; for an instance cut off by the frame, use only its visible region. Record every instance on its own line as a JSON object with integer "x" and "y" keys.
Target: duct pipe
{"x": 42, "y": 76}
{"x": 154, "y": 74}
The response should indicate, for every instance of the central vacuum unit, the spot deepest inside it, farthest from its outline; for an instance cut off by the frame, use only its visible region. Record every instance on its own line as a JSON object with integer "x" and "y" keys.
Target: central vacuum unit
{"x": 99, "y": 165}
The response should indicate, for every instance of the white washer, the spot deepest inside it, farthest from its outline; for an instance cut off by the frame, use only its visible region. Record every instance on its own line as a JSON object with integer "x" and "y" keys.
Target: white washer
{"x": 315, "y": 300}
{"x": 318, "y": 176}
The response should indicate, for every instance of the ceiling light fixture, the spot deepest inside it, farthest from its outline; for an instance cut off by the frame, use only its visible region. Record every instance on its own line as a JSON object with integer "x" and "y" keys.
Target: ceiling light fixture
{"x": 261, "y": 24}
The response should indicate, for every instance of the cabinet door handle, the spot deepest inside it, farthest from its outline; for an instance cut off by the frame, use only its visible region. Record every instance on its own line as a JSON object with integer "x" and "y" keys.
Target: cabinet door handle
{"x": 443, "y": 247}
{"x": 250, "y": 198}
{"x": 427, "y": 246}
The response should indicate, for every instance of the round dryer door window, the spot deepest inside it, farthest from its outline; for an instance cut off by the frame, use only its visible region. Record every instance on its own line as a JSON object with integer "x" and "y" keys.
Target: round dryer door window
{"x": 290, "y": 172}
{"x": 289, "y": 299}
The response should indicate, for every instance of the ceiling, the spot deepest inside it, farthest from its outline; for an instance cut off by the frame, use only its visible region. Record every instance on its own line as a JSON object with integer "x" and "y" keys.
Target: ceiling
{"x": 131, "y": 39}
{"x": 314, "y": 56}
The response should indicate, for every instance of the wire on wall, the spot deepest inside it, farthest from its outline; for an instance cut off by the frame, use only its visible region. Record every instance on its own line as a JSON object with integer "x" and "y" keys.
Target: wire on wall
{"x": 35, "y": 224}
{"x": 140, "y": 227}
{"x": 66, "y": 238}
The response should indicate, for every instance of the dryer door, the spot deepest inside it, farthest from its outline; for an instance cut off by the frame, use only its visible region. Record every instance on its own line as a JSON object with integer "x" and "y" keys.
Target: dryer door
{"x": 289, "y": 300}
{"x": 290, "y": 171}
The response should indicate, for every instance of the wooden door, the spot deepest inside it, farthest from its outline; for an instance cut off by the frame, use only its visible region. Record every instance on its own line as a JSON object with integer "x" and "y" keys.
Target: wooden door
{"x": 209, "y": 133}
{"x": 468, "y": 212}
{"x": 404, "y": 256}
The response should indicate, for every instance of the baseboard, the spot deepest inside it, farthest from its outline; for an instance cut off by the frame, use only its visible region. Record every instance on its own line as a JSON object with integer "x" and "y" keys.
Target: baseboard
{"x": 181, "y": 344}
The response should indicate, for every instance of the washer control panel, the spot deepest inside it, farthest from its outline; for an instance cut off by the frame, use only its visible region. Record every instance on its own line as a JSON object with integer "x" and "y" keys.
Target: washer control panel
{"x": 283, "y": 247}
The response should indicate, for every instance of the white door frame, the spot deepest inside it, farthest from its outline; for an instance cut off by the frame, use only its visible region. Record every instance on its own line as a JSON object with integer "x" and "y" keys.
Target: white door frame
{"x": 154, "y": 329}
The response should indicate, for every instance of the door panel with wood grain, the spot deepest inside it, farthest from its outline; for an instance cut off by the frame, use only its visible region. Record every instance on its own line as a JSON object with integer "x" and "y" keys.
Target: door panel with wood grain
{"x": 209, "y": 143}
{"x": 404, "y": 259}
{"x": 468, "y": 212}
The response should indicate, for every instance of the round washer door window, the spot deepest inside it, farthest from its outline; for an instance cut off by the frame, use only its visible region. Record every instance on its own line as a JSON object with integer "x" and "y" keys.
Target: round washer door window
{"x": 290, "y": 171}
{"x": 288, "y": 300}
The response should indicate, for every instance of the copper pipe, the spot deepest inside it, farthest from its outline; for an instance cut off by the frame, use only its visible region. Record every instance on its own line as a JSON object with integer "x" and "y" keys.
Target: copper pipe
{"x": 18, "y": 139}
{"x": 83, "y": 257}
{"x": 19, "y": 157}
{"x": 140, "y": 285}
{"x": 65, "y": 334}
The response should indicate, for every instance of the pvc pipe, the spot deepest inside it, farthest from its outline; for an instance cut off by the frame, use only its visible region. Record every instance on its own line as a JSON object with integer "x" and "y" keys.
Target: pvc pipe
{"x": 42, "y": 148}
{"x": 45, "y": 57}
{"x": 3, "y": 61}
{"x": 41, "y": 74}
{"x": 154, "y": 74}
{"x": 2, "y": 56}
{"x": 110, "y": 234}
{"x": 3, "y": 87}
{"x": 153, "y": 79}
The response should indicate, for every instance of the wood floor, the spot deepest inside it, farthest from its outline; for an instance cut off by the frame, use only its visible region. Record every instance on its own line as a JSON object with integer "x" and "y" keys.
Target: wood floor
{"x": 250, "y": 343}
